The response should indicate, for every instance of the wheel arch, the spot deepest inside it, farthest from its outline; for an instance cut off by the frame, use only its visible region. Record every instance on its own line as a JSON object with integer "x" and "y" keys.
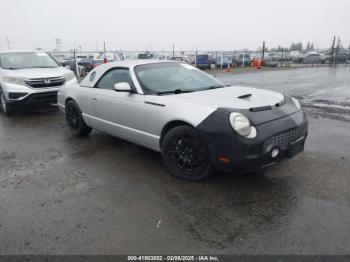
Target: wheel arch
{"x": 69, "y": 99}
{"x": 170, "y": 125}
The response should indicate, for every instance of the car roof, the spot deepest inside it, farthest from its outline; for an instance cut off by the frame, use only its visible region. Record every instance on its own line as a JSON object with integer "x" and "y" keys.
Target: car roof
{"x": 101, "y": 69}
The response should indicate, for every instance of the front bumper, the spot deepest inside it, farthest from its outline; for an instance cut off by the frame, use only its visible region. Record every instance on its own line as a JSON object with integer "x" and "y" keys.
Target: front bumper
{"x": 37, "y": 98}
{"x": 230, "y": 152}
{"x": 23, "y": 94}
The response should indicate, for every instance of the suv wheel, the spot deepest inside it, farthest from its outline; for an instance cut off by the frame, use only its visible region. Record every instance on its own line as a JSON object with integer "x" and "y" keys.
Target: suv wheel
{"x": 6, "y": 108}
{"x": 75, "y": 120}
{"x": 185, "y": 155}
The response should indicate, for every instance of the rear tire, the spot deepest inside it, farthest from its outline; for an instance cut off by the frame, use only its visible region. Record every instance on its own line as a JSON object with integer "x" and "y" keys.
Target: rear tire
{"x": 185, "y": 154}
{"x": 75, "y": 121}
{"x": 6, "y": 108}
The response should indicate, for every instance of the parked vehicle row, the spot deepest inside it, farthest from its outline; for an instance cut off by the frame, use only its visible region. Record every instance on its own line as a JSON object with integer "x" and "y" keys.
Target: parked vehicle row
{"x": 207, "y": 61}
{"x": 70, "y": 64}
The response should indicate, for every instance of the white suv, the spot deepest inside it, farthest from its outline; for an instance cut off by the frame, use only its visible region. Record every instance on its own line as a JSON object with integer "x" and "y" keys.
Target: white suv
{"x": 30, "y": 77}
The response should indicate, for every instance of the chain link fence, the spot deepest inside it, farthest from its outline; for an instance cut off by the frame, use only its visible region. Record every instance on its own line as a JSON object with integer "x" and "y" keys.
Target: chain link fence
{"x": 83, "y": 61}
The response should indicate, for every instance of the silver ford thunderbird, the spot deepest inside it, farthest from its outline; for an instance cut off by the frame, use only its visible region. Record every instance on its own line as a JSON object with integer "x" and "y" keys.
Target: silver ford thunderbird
{"x": 197, "y": 123}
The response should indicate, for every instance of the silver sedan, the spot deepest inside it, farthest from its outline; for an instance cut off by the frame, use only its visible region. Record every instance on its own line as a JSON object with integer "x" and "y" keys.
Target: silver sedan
{"x": 195, "y": 121}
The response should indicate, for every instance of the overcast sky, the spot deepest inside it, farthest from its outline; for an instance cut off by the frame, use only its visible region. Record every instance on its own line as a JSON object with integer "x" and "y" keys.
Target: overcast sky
{"x": 157, "y": 24}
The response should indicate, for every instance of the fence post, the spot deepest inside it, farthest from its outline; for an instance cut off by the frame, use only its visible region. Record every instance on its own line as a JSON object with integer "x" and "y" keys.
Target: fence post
{"x": 221, "y": 60}
{"x": 76, "y": 65}
{"x": 282, "y": 58}
{"x": 195, "y": 59}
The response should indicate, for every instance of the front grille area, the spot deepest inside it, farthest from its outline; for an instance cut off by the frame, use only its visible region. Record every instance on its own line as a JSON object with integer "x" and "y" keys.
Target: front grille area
{"x": 42, "y": 97}
{"x": 45, "y": 82}
{"x": 280, "y": 139}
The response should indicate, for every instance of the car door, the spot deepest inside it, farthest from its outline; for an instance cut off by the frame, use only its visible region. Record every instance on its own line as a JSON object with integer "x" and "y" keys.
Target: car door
{"x": 118, "y": 113}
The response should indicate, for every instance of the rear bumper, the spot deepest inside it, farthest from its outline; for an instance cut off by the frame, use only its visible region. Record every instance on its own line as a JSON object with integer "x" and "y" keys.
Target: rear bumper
{"x": 204, "y": 66}
{"x": 232, "y": 153}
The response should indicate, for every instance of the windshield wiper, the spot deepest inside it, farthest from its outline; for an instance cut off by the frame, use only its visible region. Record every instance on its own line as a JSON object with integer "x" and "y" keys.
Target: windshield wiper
{"x": 176, "y": 91}
{"x": 215, "y": 87}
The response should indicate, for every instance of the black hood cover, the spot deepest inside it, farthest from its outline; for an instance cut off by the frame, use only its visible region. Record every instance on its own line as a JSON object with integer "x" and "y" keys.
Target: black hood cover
{"x": 261, "y": 115}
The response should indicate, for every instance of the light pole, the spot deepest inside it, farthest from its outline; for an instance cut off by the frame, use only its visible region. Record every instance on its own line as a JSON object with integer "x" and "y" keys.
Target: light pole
{"x": 8, "y": 43}
{"x": 58, "y": 43}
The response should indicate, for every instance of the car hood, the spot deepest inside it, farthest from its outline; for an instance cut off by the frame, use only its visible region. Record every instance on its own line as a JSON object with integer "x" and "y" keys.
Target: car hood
{"x": 37, "y": 72}
{"x": 229, "y": 97}
{"x": 259, "y": 105}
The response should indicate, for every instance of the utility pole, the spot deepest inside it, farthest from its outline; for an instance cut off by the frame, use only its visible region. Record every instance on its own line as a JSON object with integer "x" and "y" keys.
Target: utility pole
{"x": 333, "y": 49}
{"x": 8, "y": 43}
{"x": 263, "y": 50}
{"x": 173, "y": 50}
{"x": 195, "y": 57}
{"x": 58, "y": 43}
{"x": 221, "y": 60}
{"x": 104, "y": 53}
{"x": 243, "y": 58}
{"x": 337, "y": 50}
{"x": 282, "y": 58}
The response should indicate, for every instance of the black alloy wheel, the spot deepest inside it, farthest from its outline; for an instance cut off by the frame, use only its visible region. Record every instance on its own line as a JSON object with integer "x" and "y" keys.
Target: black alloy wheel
{"x": 185, "y": 154}
{"x": 75, "y": 120}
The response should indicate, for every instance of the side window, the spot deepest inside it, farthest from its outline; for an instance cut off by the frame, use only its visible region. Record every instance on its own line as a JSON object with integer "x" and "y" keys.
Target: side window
{"x": 114, "y": 76}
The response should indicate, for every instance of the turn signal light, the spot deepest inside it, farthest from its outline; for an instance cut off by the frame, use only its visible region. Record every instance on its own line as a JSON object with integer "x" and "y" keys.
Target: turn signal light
{"x": 224, "y": 159}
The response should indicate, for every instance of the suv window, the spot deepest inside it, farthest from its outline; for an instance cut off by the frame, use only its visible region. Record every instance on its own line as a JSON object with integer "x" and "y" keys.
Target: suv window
{"x": 114, "y": 76}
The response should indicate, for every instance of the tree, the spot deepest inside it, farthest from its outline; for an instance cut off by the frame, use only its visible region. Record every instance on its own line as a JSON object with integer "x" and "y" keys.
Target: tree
{"x": 312, "y": 46}
{"x": 300, "y": 46}
{"x": 308, "y": 47}
{"x": 296, "y": 47}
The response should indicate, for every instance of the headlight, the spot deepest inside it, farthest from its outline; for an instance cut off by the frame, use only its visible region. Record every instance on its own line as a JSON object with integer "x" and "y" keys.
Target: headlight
{"x": 14, "y": 80}
{"x": 69, "y": 76}
{"x": 241, "y": 125}
{"x": 296, "y": 103}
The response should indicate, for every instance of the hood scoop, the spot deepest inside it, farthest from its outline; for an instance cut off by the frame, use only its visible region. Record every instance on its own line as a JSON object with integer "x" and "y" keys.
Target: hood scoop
{"x": 260, "y": 108}
{"x": 264, "y": 108}
{"x": 244, "y": 96}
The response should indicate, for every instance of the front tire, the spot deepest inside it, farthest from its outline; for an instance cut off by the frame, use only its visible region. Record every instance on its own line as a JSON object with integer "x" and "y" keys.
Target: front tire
{"x": 6, "y": 108}
{"x": 185, "y": 154}
{"x": 75, "y": 121}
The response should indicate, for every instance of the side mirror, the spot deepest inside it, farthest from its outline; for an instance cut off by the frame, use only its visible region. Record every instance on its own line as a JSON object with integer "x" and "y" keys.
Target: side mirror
{"x": 122, "y": 87}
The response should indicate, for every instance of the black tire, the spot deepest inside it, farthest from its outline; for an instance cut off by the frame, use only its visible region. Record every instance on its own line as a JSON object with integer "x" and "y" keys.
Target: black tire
{"x": 185, "y": 155}
{"x": 5, "y": 107}
{"x": 75, "y": 121}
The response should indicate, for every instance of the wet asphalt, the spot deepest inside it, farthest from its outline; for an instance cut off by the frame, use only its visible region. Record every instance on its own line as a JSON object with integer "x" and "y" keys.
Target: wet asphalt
{"x": 100, "y": 195}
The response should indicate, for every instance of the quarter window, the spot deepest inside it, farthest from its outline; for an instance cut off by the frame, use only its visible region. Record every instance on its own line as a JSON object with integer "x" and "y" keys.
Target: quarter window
{"x": 92, "y": 76}
{"x": 113, "y": 77}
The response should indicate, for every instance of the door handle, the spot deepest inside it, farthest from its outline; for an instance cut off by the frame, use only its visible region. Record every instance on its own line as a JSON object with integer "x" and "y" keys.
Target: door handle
{"x": 94, "y": 98}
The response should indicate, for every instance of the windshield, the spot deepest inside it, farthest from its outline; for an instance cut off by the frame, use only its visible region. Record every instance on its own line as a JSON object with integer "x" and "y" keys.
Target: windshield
{"x": 168, "y": 77}
{"x": 27, "y": 60}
